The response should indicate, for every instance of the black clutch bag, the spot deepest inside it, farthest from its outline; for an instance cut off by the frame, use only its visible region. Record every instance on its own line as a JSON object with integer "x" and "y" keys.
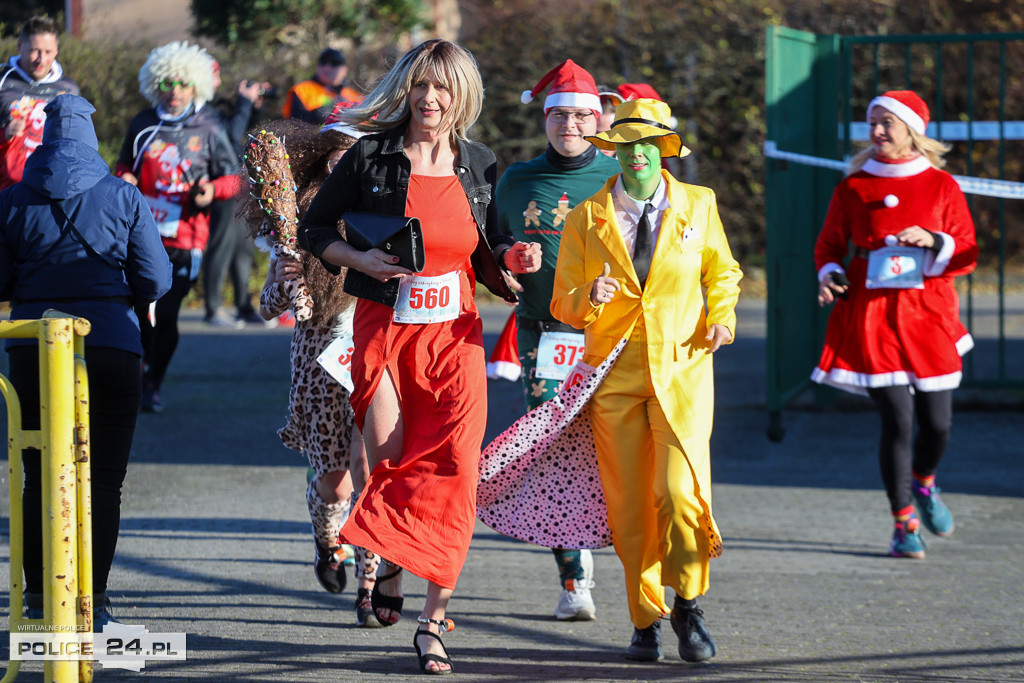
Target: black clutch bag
{"x": 395, "y": 235}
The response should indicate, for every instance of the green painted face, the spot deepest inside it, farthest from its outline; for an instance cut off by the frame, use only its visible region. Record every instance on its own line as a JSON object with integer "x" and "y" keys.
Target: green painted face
{"x": 641, "y": 167}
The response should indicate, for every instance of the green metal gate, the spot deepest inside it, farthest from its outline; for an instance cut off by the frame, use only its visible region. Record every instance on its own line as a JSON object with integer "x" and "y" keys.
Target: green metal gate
{"x": 816, "y": 90}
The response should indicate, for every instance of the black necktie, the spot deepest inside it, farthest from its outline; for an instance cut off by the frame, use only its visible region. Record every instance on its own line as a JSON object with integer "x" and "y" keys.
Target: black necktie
{"x": 643, "y": 250}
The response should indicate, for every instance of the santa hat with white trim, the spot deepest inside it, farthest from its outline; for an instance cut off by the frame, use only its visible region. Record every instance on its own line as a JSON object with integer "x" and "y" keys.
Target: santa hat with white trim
{"x": 571, "y": 86}
{"x": 906, "y": 105}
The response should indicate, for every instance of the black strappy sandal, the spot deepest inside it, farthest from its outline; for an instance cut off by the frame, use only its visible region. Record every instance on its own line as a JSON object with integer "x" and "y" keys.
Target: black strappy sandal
{"x": 445, "y": 625}
{"x": 380, "y": 601}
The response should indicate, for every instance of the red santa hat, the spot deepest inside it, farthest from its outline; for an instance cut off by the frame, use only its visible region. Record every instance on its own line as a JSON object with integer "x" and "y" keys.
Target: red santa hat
{"x": 335, "y": 122}
{"x": 571, "y": 86}
{"x": 636, "y": 91}
{"x": 906, "y": 105}
{"x": 504, "y": 359}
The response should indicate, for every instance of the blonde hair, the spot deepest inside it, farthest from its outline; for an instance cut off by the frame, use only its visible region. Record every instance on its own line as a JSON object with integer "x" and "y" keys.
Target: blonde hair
{"x": 176, "y": 60}
{"x": 931, "y": 149}
{"x": 387, "y": 105}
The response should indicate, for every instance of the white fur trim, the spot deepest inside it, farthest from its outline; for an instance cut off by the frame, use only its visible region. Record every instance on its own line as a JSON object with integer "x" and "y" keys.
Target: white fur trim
{"x": 827, "y": 270}
{"x": 526, "y": 97}
{"x": 904, "y": 170}
{"x": 936, "y": 264}
{"x": 503, "y": 369}
{"x": 859, "y": 382}
{"x": 905, "y": 113}
{"x": 964, "y": 344}
{"x": 573, "y": 99}
{"x": 940, "y": 383}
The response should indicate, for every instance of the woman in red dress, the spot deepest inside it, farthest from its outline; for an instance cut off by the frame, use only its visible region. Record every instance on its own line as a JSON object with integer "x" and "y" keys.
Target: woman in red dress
{"x": 895, "y": 333}
{"x": 419, "y": 368}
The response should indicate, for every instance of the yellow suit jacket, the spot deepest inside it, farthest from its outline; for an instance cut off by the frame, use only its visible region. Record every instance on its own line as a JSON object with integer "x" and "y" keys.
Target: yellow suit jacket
{"x": 691, "y": 260}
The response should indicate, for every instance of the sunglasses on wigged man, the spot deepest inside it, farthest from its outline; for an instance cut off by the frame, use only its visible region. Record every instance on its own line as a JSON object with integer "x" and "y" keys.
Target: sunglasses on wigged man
{"x": 167, "y": 85}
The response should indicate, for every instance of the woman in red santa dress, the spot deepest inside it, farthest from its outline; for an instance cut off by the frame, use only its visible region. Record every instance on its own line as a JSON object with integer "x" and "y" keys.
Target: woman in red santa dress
{"x": 895, "y": 332}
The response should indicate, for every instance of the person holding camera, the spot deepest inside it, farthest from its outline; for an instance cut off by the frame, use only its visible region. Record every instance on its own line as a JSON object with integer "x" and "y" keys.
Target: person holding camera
{"x": 229, "y": 251}
{"x": 895, "y": 332}
{"x": 178, "y": 154}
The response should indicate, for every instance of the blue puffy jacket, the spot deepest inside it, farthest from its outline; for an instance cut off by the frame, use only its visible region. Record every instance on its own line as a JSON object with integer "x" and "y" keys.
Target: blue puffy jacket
{"x": 107, "y": 257}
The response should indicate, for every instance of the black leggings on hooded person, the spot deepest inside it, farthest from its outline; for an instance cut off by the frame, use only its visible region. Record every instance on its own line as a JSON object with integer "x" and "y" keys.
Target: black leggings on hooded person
{"x": 114, "y": 392}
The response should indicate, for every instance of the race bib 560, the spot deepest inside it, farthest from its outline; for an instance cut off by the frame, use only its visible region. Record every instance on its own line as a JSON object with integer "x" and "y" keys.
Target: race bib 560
{"x": 423, "y": 300}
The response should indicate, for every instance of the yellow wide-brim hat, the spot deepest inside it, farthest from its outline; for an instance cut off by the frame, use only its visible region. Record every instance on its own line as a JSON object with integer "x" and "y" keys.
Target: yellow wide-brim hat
{"x": 638, "y": 120}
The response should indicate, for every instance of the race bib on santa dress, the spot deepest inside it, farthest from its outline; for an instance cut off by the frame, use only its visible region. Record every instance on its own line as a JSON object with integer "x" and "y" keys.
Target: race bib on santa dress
{"x": 337, "y": 360}
{"x": 424, "y": 300}
{"x": 557, "y": 353}
{"x": 896, "y": 268}
{"x": 166, "y": 214}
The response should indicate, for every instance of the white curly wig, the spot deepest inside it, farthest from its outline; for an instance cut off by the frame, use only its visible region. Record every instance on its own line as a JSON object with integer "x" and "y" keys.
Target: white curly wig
{"x": 177, "y": 60}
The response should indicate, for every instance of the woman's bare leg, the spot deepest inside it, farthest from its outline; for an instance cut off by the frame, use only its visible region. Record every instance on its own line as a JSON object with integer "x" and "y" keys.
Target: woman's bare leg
{"x": 383, "y": 431}
{"x": 434, "y": 608}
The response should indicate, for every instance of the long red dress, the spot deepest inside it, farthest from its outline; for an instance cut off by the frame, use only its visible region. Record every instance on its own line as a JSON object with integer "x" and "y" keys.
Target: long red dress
{"x": 892, "y": 337}
{"x": 419, "y": 512}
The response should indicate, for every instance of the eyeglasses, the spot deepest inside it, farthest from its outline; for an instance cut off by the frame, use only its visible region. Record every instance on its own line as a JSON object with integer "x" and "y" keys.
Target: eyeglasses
{"x": 577, "y": 116}
{"x": 167, "y": 85}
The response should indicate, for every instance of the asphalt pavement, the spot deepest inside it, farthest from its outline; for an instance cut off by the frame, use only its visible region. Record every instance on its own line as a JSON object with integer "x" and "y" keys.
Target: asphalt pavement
{"x": 215, "y": 543}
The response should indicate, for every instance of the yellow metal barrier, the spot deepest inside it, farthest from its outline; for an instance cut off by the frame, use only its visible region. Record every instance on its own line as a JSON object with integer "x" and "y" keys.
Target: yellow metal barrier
{"x": 66, "y": 485}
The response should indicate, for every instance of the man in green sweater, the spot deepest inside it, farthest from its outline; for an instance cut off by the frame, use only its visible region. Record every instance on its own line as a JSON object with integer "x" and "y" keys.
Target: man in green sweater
{"x": 533, "y": 198}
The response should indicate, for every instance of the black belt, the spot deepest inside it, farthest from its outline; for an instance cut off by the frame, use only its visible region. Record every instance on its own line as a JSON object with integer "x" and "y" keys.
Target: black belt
{"x": 863, "y": 253}
{"x": 541, "y": 326}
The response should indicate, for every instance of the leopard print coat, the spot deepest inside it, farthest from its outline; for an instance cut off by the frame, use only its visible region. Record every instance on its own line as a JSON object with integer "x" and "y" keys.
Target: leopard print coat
{"x": 320, "y": 418}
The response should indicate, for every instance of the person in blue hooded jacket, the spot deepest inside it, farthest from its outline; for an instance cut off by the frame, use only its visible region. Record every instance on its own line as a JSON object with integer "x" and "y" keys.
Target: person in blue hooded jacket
{"x": 75, "y": 238}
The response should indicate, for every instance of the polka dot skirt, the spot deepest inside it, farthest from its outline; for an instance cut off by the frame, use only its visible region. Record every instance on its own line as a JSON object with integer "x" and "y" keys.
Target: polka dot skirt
{"x": 539, "y": 480}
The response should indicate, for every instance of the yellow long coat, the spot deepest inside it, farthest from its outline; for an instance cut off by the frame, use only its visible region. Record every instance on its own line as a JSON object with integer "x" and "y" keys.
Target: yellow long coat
{"x": 692, "y": 256}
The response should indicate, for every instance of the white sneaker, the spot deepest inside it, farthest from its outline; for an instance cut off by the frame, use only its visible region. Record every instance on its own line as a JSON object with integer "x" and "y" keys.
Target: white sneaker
{"x": 575, "y": 603}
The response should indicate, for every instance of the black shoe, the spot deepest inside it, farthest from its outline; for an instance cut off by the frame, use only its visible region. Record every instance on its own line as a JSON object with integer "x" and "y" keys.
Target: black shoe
{"x": 379, "y": 601}
{"x": 102, "y": 614}
{"x": 329, "y": 567}
{"x": 646, "y": 644}
{"x": 365, "y": 616}
{"x": 33, "y": 603}
{"x": 150, "y": 402}
{"x": 251, "y": 317}
{"x": 695, "y": 643}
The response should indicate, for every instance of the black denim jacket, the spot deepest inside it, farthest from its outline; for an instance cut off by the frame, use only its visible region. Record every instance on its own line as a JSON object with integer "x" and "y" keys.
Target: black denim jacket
{"x": 373, "y": 176}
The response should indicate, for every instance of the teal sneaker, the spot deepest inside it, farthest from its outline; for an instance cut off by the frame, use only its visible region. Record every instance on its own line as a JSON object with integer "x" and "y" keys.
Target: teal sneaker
{"x": 907, "y": 541}
{"x": 935, "y": 516}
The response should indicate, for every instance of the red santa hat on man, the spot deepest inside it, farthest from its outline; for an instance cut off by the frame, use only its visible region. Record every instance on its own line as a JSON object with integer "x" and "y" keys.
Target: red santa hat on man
{"x": 906, "y": 105}
{"x": 571, "y": 86}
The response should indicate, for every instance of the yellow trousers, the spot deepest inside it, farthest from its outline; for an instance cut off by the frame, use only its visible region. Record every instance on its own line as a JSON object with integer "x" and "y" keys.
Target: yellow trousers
{"x": 659, "y": 526}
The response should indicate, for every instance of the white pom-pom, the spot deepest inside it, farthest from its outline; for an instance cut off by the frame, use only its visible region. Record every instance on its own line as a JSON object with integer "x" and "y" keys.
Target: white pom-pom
{"x": 891, "y": 201}
{"x": 891, "y": 240}
{"x": 526, "y": 97}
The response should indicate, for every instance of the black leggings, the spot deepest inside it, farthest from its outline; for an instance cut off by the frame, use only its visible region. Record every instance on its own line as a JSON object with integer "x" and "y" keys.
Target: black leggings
{"x": 897, "y": 407}
{"x": 114, "y": 392}
{"x": 160, "y": 342}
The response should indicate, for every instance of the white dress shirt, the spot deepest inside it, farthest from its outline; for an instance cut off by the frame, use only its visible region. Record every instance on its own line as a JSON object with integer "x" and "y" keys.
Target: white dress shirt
{"x": 629, "y": 210}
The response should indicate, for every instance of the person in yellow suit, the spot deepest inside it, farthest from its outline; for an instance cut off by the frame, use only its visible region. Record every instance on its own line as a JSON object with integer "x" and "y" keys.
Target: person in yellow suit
{"x": 636, "y": 261}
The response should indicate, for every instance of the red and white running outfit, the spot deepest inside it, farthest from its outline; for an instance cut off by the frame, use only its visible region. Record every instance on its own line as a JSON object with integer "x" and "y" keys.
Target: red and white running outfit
{"x": 892, "y": 337}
